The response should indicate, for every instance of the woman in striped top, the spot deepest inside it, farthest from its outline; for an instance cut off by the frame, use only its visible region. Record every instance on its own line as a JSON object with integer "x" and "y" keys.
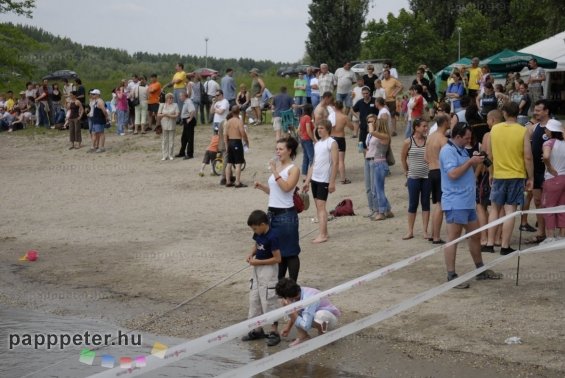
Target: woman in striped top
{"x": 416, "y": 170}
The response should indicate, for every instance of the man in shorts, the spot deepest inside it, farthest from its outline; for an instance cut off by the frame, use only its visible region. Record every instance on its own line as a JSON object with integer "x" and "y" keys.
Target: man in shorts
{"x": 345, "y": 78}
{"x": 338, "y": 133}
{"x": 458, "y": 200}
{"x": 234, "y": 135}
{"x": 434, "y": 144}
{"x": 511, "y": 153}
{"x": 392, "y": 88}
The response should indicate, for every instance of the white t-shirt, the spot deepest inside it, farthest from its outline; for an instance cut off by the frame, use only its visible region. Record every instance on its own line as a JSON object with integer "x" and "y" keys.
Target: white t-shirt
{"x": 223, "y": 105}
{"x": 331, "y": 115}
{"x": 313, "y": 81}
{"x": 345, "y": 79}
{"x": 382, "y": 112}
{"x": 211, "y": 87}
{"x": 433, "y": 129}
{"x": 277, "y": 197}
{"x": 556, "y": 157}
{"x": 379, "y": 92}
{"x": 322, "y": 160}
{"x": 358, "y": 91}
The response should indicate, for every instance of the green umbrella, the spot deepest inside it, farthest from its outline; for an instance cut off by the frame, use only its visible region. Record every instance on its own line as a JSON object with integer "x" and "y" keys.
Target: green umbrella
{"x": 443, "y": 74}
{"x": 446, "y": 71}
{"x": 514, "y": 61}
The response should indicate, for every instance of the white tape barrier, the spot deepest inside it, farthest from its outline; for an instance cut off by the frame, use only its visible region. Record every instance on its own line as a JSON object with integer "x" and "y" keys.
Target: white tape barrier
{"x": 224, "y": 335}
{"x": 291, "y": 353}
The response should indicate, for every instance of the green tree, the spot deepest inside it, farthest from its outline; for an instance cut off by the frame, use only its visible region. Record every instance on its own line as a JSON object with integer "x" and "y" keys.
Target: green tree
{"x": 335, "y": 30}
{"x": 408, "y": 40}
{"x": 19, "y": 7}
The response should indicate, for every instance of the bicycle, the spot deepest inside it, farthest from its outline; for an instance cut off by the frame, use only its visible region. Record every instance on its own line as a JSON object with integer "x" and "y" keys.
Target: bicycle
{"x": 218, "y": 164}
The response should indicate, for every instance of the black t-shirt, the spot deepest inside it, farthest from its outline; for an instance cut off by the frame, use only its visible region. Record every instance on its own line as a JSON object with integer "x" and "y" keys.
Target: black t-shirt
{"x": 370, "y": 82}
{"x": 364, "y": 109}
{"x": 424, "y": 83}
{"x": 266, "y": 244}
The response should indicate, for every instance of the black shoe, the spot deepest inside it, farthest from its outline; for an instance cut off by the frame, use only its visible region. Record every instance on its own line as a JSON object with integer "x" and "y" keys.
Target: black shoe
{"x": 254, "y": 335}
{"x": 487, "y": 248}
{"x": 464, "y": 285}
{"x": 188, "y": 157}
{"x": 438, "y": 241}
{"x": 526, "y": 227}
{"x": 179, "y": 155}
{"x": 505, "y": 251}
{"x": 273, "y": 339}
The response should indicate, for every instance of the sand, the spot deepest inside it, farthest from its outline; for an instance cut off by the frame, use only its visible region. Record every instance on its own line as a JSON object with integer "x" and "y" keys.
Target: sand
{"x": 123, "y": 236}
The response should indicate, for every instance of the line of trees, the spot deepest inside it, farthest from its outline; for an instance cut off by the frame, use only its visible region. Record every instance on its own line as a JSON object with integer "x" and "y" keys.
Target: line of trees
{"x": 427, "y": 32}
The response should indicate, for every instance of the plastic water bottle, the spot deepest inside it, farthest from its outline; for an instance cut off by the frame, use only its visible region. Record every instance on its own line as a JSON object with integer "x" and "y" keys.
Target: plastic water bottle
{"x": 513, "y": 340}
{"x": 360, "y": 147}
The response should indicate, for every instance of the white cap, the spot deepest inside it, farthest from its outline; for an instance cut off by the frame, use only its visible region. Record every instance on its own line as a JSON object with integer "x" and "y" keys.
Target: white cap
{"x": 95, "y": 92}
{"x": 554, "y": 125}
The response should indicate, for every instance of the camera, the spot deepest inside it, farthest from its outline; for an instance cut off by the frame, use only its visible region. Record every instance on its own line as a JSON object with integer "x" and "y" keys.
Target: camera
{"x": 487, "y": 162}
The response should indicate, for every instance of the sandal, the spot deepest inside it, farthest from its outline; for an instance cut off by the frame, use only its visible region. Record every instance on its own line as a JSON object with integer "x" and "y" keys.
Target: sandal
{"x": 536, "y": 240}
{"x": 346, "y": 181}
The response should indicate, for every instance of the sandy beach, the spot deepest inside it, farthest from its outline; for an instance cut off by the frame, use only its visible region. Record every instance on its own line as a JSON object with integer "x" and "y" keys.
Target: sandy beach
{"x": 123, "y": 236}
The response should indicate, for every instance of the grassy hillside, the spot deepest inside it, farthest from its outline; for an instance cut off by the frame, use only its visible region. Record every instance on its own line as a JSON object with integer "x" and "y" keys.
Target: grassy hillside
{"x": 103, "y": 68}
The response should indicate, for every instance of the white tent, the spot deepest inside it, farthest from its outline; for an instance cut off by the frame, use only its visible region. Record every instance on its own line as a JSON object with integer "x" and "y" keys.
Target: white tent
{"x": 551, "y": 48}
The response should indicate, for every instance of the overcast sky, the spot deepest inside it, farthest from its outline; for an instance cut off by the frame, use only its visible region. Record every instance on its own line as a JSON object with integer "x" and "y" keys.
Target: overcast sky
{"x": 258, "y": 29}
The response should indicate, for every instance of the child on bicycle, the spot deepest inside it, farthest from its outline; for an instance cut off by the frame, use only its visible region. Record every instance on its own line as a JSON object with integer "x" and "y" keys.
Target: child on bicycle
{"x": 211, "y": 152}
{"x": 264, "y": 258}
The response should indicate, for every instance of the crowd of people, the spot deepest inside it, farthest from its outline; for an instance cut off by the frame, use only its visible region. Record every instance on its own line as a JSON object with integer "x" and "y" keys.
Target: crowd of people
{"x": 471, "y": 152}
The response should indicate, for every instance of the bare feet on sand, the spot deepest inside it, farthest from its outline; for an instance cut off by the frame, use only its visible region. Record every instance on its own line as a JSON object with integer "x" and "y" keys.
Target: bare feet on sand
{"x": 320, "y": 239}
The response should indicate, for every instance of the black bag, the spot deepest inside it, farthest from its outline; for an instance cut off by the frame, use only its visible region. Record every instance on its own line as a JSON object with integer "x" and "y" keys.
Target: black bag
{"x": 162, "y": 97}
{"x": 133, "y": 102}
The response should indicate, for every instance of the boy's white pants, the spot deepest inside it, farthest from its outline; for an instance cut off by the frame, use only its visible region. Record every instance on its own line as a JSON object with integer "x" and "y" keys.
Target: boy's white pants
{"x": 262, "y": 297}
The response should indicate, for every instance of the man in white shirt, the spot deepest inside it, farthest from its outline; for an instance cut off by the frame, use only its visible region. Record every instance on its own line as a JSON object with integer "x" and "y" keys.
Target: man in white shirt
{"x": 344, "y": 78}
{"x": 211, "y": 87}
{"x": 220, "y": 110}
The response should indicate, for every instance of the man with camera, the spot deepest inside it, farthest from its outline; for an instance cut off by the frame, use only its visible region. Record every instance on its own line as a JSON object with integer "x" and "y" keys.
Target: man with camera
{"x": 458, "y": 199}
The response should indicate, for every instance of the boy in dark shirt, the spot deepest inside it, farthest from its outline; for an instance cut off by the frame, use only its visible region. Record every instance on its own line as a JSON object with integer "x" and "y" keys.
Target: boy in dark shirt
{"x": 264, "y": 257}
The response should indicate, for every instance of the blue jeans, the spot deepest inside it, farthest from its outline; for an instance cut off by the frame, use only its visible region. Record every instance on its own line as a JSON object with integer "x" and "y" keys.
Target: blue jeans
{"x": 408, "y": 131}
{"x": 308, "y": 156}
{"x": 369, "y": 185}
{"x": 176, "y": 94}
{"x": 122, "y": 121}
{"x": 299, "y": 101}
{"x": 418, "y": 188}
{"x": 315, "y": 100}
{"x": 380, "y": 171}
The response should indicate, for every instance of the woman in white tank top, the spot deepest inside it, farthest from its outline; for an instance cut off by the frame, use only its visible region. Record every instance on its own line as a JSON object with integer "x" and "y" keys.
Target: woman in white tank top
{"x": 283, "y": 216}
{"x": 321, "y": 175}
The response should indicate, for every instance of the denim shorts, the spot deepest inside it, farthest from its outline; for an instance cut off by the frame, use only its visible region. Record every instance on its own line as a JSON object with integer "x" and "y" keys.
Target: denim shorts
{"x": 507, "y": 192}
{"x": 460, "y": 216}
{"x": 97, "y": 128}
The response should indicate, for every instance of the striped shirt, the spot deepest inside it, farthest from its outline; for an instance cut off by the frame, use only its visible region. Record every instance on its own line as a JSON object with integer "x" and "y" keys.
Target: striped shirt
{"x": 417, "y": 166}
{"x": 326, "y": 83}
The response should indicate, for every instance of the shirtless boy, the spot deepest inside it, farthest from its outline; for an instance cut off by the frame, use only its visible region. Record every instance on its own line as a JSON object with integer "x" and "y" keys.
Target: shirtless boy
{"x": 433, "y": 146}
{"x": 234, "y": 135}
{"x": 338, "y": 133}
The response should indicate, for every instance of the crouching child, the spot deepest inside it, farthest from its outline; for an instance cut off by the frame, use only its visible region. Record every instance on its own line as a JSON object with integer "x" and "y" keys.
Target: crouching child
{"x": 321, "y": 315}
